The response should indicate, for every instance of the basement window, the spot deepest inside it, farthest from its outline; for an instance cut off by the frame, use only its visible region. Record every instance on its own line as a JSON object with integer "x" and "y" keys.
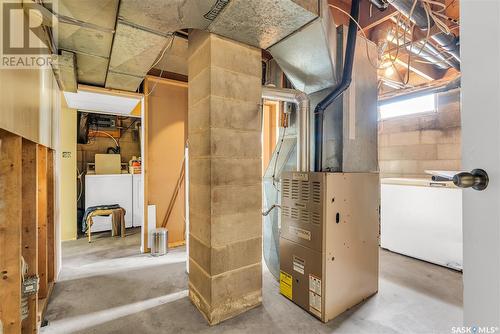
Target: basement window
{"x": 416, "y": 105}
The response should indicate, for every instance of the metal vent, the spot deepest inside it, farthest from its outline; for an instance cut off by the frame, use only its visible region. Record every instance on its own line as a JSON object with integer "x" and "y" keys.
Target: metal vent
{"x": 316, "y": 192}
{"x": 316, "y": 218}
{"x": 304, "y": 216}
{"x": 295, "y": 189}
{"x": 285, "y": 188}
{"x": 295, "y": 213}
{"x": 216, "y": 9}
{"x": 304, "y": 190}
{"x": 285, "y": 210}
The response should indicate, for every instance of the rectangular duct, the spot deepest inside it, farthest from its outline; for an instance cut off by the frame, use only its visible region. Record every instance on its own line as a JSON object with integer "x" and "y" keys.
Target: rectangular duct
{"x": 308, "y": 55}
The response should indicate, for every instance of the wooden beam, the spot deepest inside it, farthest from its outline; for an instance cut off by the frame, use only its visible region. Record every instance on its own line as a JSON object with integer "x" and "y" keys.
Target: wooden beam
{"x": 30, "y": 226}
{"x": 167, "y": 75}
{"x": 10, "y": 231}
{"x": 427, "y": 71}
{"x": 367, "y": 21}
{"x": 42, "y": 222}
{"x": 51, "y": 242}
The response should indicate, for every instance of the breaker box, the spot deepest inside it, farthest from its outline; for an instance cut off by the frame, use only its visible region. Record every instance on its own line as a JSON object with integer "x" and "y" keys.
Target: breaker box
{"x": 329, "y": 240}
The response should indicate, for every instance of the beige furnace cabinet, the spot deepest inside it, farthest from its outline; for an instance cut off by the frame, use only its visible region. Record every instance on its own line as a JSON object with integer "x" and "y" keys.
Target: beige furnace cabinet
{"x": 329, "y": 240}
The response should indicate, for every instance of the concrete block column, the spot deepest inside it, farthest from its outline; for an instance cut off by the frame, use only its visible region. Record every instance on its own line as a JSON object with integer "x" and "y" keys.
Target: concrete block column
{"x": 225, "y": 245}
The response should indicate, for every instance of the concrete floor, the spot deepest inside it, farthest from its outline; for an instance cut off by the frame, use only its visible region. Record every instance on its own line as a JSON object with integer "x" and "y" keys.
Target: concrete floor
{"x": 108, "y": 287}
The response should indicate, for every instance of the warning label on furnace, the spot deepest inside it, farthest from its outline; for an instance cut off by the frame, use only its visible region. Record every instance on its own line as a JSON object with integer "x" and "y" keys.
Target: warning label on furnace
{"x": 315, "y": 295}
{"x": 286, "y": 282}
{"x": 299, "y": 264}
{"x": 315, "y": 284}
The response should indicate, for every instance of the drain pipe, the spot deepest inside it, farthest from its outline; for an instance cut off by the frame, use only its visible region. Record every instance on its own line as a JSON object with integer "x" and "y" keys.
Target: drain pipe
{"x": 300, "y": 98}
{"x": 341, "y": 88}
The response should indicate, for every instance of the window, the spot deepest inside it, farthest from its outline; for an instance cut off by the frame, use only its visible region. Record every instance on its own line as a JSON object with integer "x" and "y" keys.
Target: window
{"x": 421, "y": 104}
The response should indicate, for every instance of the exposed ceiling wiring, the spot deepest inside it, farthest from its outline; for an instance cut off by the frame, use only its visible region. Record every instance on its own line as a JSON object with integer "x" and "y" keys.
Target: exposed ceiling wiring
{"x": 167, "y": 48}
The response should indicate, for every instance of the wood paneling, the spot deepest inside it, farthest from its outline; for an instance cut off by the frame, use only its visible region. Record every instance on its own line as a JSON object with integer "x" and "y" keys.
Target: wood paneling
{"x": 42, "y": 222}
{"x": 166, "y": 134}
{"x": 30, "y": 225}
{"x": 10, "y": 231}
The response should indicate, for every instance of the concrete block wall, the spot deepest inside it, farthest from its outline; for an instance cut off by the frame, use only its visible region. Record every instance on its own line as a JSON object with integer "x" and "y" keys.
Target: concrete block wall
{"x": 224, "y": 134}
{"x": 410, "y": 145}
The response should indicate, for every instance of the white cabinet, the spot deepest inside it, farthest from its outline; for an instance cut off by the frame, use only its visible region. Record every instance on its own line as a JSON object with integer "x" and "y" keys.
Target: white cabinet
{"x": 137, "y": 199}
{"x": 108, "y": 190}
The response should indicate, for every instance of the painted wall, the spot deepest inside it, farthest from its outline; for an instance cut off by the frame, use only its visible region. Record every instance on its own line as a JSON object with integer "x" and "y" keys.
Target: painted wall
{"x": 67, "y": 154}
{"x": 28, "y": 103}
{"x": 166, "y": 136}
{"x": 410, "y": 145}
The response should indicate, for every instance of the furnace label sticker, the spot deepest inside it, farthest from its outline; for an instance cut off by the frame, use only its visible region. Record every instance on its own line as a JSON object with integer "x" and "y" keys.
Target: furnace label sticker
{"x": 286, "y": 282}
{"x": 300, "y": 233}
{"x": 315, "y": 304}
{"x": 315, "y": 284}
{"x": 299, "y": 264}
{"x": 315, "y": 295}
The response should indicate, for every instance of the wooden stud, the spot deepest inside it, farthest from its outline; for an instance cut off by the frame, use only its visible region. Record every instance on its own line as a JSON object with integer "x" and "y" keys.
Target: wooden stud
{"x": 30, "y": 226}
{"x": 42, "y": 222}
{"x": 51, "y": 242}
{"x": 10, "y": 231}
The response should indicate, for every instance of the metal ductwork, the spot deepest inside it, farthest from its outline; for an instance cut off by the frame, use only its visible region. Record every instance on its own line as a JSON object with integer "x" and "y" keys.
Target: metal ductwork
{"x": 116, "y": 42}
{"x": 429, "y": 52}
{"x": 338, "y": 90}
{"x": 449, "y": 42}
{"x": 308, "y": 55}
{"x": 302, "y": 119}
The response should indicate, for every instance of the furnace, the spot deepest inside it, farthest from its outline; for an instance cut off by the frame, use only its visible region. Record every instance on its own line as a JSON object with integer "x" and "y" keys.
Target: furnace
{"x": 329, "y": 240}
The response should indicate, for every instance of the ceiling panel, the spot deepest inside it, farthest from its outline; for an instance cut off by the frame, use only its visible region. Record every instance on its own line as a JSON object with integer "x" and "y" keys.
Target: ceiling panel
{"x": 123, "y": 81}
{"x": 91, "y": 70}
{"x": 135, "y": 50}
{"x": 85, "y": 40}
{"x": 166, "y": 16}
{"x": 262, "y": 23}
{"x": 176, "y": 59}
{"x": 99, "y": 12}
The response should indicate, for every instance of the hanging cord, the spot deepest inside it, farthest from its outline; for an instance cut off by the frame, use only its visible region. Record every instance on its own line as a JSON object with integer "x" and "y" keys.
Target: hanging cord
{"x": 276, "y": 160}
{"x": 164, "y": 53}
{"x": 378, "y": 67}
{"x": 79, "y": 177}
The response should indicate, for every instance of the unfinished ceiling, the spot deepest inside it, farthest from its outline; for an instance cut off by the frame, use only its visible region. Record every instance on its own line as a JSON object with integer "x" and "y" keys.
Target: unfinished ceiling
{"x": 117, "y": 42}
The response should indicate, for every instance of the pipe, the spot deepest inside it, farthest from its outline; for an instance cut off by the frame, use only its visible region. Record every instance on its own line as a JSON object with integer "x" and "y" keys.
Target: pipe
{"x": 449, "y": 42}
{"x": 337, "y": 91}
{"x": 302, "y": 100}
{"x": 440, "y": 60}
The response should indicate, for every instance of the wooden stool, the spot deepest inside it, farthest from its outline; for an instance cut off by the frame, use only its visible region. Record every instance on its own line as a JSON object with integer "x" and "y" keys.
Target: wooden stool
{"x": 117, "y": 218}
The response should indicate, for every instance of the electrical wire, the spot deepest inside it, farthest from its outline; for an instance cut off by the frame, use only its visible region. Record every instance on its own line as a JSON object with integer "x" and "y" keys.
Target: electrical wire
{"x": 164, "y": 52}
{"x": 378, "y": 67}
{"x": 110, "y": 136}
{"x": 435, "y": 15}
{"x": 277, "y": 156}
{"x": 79, "y": 177}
